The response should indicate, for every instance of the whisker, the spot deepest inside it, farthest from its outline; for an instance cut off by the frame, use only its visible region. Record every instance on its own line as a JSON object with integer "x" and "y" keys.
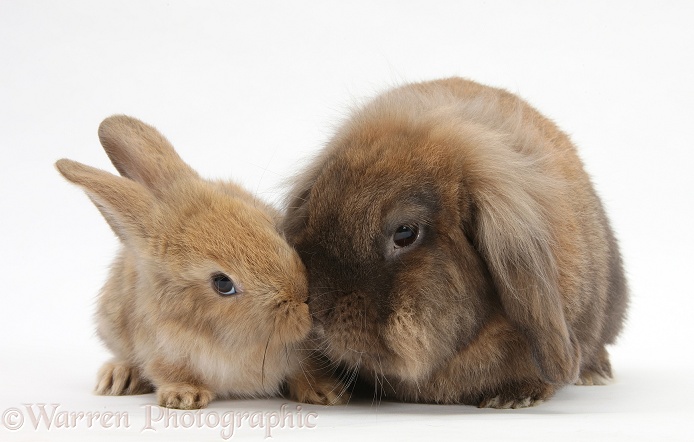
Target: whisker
{"x": 267, "y": 344}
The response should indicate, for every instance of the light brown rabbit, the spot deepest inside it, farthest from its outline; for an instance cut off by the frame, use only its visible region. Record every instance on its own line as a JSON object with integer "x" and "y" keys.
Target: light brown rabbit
{"x": 456, "y": 250}
{"x": 205, "y": 299}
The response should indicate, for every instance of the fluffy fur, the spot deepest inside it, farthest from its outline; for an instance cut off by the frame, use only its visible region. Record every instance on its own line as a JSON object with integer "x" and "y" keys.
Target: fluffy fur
{"x": 513, "y": 286}
{"x": 167, "y": 327}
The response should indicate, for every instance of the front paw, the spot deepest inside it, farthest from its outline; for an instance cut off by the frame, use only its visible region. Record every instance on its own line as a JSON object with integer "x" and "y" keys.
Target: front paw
{"x": 597, "y": 373}
{"x": 118, "y": 378}
{"x": 318, "y": 389}
{"x": 517, "y": 395}
{"x": 183, "y": 396}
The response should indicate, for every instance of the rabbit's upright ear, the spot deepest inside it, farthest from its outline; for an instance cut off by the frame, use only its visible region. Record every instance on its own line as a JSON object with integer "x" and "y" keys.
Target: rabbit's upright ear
{"x": 125, "y": 204}
{"x": 515, "y": 221}
{"x": 141, "y": 153}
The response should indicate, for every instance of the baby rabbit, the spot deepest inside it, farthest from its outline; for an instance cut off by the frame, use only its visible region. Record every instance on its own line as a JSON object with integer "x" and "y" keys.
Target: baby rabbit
{"x": 206, "y": 299}
{"x": 457, "y": 251}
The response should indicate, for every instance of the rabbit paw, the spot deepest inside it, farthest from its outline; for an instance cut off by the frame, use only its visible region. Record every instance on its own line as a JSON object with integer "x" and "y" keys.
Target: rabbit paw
{"x": 517, "y": 395}
{"x": 118, "y": 378}
{"x": 183, "y": 396}
{"x": 592, "y": 377}
{"x": 600, "y": 373}
{"x": 319, "y": 390}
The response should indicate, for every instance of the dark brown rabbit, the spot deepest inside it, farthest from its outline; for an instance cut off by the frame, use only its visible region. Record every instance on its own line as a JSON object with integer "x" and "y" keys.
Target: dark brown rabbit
{"x": 457, "y": 251}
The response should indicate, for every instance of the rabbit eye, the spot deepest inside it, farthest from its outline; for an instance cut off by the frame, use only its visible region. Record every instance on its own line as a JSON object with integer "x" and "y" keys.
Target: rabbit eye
{"x": 223, "y": 284}
{"x": 405, "y": 236}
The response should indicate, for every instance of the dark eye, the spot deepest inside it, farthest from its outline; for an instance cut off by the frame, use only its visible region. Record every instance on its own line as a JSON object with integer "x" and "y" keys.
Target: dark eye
{"x": 223, "y": 284}
{"x": 405, "y": 236}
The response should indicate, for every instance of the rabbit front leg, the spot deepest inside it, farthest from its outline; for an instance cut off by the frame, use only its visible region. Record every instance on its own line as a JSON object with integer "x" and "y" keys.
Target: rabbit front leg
{"x": 517, "y": 394}
{"x": 314, "y": 383}
{"x": 177, "y": 387}
{"x": 599, "y": 372}
{"x": 184, "y": 396}
{"x": 117, "y": 378}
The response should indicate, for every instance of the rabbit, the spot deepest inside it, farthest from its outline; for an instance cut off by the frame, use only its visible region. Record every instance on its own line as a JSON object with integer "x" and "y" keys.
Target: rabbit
{"x": 205, "y": 298}
{"x": 456, "y": 250}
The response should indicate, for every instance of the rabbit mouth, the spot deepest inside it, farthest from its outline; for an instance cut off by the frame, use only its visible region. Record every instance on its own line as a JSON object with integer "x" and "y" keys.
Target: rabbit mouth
{"x": 356, "y": 335}
{"x": 370, "y": 355}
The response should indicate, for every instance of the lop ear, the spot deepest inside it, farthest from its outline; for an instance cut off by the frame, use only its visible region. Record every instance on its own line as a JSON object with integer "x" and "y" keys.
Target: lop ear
{"x": 295, "y": 215}
{"x": 141, "y": 153}
{"x": 125, "y": 204}
{"x": 296, "y": 211}
{"x": 516, "y": 210}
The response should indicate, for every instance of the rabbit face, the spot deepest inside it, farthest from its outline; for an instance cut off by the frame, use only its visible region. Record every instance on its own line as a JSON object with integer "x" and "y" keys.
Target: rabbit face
{"x": 393, "y": 288}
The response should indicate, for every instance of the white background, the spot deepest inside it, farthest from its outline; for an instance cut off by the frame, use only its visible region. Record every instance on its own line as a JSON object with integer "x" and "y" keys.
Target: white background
{"x": 250, "y": 90}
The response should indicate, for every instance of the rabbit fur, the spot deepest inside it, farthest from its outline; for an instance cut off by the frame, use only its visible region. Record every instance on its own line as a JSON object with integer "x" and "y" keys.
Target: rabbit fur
{"x": 159, "y": 312}
{"x": 456, "y": 250}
